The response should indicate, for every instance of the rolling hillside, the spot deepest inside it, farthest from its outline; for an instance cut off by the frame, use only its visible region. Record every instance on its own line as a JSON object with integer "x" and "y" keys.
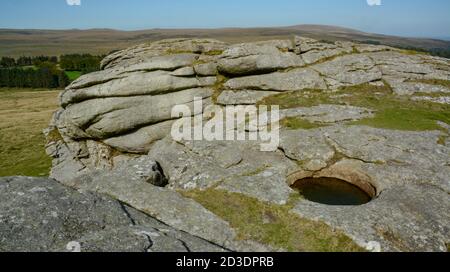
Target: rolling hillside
{"x": 14, "y": 42}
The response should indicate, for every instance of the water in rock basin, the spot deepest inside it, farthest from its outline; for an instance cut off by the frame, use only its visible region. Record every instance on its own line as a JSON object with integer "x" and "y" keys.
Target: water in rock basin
{"x": 331, "y": 191}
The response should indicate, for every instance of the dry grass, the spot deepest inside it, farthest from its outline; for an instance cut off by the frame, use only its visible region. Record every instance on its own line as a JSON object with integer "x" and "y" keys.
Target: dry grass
{"x": 23, "y": 116}
{"x": 101, "y": 41}
{"x": 273, "y": 224}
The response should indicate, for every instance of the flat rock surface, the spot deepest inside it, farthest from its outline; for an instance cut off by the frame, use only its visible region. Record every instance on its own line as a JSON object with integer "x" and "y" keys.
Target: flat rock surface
{"x": 43, "y": 215}
{"x": 406, "y": 218}
{"x": 297, "y": 79}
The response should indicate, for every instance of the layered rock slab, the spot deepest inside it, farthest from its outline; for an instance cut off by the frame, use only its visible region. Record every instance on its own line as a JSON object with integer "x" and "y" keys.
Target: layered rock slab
{"x": 294, "y": 80}
{"x": 42, "y": 215}
{"x": 256, "y": 58}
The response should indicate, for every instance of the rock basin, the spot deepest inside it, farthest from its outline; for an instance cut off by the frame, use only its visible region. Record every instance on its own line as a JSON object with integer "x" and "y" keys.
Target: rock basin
{"x": 331, "y": 191}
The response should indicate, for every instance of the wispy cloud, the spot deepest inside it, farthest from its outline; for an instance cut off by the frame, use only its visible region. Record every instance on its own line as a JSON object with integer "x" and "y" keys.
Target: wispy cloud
{"x": 374, "y": 2}
{"x": 73, "y": 2}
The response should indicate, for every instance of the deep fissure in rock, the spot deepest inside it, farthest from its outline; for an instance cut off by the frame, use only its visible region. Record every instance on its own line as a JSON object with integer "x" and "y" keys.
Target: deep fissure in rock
{"x": 331, "y": 191}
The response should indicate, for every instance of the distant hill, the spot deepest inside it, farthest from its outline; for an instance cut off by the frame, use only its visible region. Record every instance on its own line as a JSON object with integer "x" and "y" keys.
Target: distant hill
{"x": 15, "y": 42}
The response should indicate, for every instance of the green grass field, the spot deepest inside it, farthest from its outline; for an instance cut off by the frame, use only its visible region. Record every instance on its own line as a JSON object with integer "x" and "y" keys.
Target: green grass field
{"x": 73, "y": 75}
{"x": 24, "y": 113}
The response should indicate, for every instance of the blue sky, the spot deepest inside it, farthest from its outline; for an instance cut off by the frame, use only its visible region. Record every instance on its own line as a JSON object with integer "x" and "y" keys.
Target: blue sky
{"x": 419, "y": 18}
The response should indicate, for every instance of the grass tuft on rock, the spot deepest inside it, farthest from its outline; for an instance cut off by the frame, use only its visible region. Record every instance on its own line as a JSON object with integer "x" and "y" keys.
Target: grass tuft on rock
{"x": 440, "y": 82}
{"x": 432, "y": 95}
{"x": 213, "y": 53}
{"x": 54, "y": 136}
{"x": 397, "y": 112}
{"x": 298, "y": 123}
{"x": 273, "y": 225}
{"x": 172, "y": 51}
{"x": 413, "y": 52}
{"x": 442, "y": 140}
{"x": 392, "y": 111}
{"x": 406, "y": 119}
{"x": 218, "y": 87}
{"x": 304, "y": 98}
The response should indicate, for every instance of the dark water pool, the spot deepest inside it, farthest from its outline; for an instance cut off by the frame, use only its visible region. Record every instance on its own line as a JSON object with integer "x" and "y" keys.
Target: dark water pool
{"x": 331, "y": 191}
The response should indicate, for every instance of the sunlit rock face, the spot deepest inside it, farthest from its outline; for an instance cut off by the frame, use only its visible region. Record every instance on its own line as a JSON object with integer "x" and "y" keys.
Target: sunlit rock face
{"x": 112, "y": 135}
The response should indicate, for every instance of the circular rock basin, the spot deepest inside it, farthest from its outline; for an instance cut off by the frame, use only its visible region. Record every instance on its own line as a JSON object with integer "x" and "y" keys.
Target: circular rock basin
{"x": 331, "y": 191}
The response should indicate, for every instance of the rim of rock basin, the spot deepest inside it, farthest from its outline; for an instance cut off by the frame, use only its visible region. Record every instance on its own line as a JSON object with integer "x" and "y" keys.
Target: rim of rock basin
{"x": 332, "y": 191}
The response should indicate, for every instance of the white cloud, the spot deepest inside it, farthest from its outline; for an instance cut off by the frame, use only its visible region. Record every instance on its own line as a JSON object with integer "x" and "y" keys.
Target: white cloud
{"x": 73, "y": 2}
{"x": 374, "y": 2}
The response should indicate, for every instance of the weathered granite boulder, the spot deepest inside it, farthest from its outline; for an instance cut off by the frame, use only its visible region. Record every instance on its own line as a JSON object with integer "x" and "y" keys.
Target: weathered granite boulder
{"x": 142, "y": 53}
{"x": 349, "y": 70}
{"x": 243, "y": 97}
{"x": 256, "y": 58}
{"x": 298, "y": 79}
{"x": 42, "y": 215}
{"x": 313, "y": 51}
{"x": 112, "y": 135}
{"x": 102, "y": 118}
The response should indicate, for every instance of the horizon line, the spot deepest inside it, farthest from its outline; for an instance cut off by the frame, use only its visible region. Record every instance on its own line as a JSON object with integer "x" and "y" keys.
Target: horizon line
{"x": 443, "y": 38}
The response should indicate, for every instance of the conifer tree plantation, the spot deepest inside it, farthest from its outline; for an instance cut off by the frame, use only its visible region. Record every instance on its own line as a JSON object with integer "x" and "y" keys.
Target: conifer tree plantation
{"x": 48, "y": 72}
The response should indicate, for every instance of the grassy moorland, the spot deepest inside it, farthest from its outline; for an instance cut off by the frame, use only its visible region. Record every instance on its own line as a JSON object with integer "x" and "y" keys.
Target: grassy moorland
{"x": 24, "y": 113}
{"x": 24, "y": 42}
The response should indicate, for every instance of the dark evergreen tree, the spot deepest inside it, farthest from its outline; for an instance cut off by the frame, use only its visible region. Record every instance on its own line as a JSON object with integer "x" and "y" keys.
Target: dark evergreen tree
{"x": 7, "y": 62}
